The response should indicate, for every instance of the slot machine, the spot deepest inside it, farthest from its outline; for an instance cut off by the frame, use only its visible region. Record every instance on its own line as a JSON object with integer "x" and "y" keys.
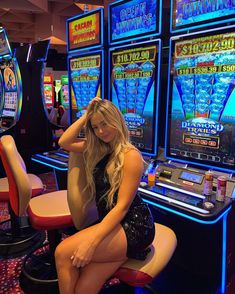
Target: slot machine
{"x": 10, "y": 87}
{"x": 134, "y": 68}
{"x": 199, "y": 138}
{"x": 200, "y": 125}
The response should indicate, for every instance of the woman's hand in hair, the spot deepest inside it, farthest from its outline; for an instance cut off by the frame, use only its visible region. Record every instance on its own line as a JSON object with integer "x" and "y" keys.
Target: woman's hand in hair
{"x": 96, "y": 99}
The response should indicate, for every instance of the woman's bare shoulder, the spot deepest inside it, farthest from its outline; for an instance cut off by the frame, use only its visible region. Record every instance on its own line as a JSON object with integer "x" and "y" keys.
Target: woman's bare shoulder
{"x": 133, "y": 158}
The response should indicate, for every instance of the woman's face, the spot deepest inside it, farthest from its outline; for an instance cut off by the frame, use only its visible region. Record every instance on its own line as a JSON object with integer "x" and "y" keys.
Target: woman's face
{"x": 101, "y": 129}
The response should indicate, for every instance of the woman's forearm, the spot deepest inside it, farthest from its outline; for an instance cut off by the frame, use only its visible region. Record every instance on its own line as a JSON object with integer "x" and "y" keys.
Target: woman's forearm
{"x": 70, "y": 135}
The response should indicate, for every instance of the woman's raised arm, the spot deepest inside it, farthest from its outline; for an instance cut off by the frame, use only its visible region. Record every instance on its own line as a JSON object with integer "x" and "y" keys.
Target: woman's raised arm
{"x": 69, "y": 140}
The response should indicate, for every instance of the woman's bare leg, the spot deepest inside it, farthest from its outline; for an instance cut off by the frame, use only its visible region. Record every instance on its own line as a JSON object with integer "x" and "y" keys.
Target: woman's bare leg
{"x": 108, "y": 256}
{"x": 94, "y": 275}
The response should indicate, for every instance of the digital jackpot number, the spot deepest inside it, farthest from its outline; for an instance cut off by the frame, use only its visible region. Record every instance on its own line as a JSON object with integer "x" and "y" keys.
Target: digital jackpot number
{"x": 133, "y": 56}
{"x": 207, "y": 47}
{"x": 81, "y": 63}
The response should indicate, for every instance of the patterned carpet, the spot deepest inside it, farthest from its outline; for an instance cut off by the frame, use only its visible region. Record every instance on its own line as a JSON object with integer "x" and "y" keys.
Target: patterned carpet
{"x": 10, "y": 268}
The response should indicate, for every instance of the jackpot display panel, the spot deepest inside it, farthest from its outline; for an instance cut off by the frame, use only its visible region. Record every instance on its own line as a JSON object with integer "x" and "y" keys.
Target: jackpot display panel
{"x": 193, "y": 14}
{"x": 201, "y": 98}
{"x": 134, "y": 19}
{"x": 134, "y": 89}
{"x": 85, "y": 80}
{"x": 85, "y": 31}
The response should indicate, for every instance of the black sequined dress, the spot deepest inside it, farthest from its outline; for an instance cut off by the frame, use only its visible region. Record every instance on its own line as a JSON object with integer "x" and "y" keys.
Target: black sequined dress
{"x": 138, "y": 223}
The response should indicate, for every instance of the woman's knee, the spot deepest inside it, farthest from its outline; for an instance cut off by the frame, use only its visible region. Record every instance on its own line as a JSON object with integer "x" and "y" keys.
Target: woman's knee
{"x": 60, "y": 253}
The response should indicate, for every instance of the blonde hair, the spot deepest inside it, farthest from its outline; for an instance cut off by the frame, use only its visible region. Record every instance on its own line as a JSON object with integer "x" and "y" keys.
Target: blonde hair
{"x": 96, "y": 149}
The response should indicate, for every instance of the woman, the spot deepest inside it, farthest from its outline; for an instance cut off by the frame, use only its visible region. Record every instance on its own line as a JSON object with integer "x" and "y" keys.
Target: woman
{"x": 125, "y": 229}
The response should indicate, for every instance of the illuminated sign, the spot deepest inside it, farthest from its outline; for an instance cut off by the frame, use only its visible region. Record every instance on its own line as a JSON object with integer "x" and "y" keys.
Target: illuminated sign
{"x": 85, "y": 31}
{"x": 136, "y": 18}
{"x": 189, "y": 14}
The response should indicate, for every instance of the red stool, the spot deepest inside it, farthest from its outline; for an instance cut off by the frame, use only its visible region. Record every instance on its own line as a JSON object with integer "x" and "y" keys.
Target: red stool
{"x": 47, "y": 212}
{"x": 16, "y": 235}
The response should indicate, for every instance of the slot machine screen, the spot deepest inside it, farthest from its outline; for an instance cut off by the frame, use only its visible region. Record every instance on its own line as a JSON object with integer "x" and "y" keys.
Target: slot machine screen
{"x": 191, "y": 14}
{"x": 201, "y": 98}
{"x": 48, "y": 94}
{"x": 5, "y": 48}
{"x": 10, "y": 96}
{"x": 85, "y": 31}
{"x": 48, "y": 90}
{"x": 64, "y": 91}
{"x": 86, "y": 81}
{"x": 134, "y": 83}
{"x": 134, "y": 19}
{"x": 39, "y": 51}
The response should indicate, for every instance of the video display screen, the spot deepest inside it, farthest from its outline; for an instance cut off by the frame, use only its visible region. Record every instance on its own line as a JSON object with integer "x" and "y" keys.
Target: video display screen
{"x": 48, "y": 94}
{"x": 134, "y": 18}
{"x": 201, "y": 112}
{"x": 10, "y": 90}
{"x": 86, "y": 80}
{"x": 5, "y": 48}
{"x": 189, "y": 14}
{"x": 85, "y": 31}
{"x": 65, "y": 95}
{"x": 134, "y": 82}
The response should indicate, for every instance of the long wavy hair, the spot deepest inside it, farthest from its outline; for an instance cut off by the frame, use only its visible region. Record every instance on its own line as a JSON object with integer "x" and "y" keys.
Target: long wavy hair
{"x": 96, "y": 149}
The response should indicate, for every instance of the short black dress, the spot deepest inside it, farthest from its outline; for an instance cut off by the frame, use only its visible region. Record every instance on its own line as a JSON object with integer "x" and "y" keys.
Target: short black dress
{"x": 138, "y": 223}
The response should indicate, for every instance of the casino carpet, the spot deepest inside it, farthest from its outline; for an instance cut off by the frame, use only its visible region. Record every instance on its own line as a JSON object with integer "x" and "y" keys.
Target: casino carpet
{"x": 10, "y": 268}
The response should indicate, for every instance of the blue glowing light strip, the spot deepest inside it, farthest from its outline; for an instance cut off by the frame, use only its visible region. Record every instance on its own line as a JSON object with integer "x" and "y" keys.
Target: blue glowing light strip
{"x": 224, "y": 259}
{"x": 181, "y": 190}
{"x": 174, "y": 201}
{"x": 188, "y": 216}
{"x": 62, "y": 154}
{"x": 50, "y": 165}
{"x": 52, "y": 159}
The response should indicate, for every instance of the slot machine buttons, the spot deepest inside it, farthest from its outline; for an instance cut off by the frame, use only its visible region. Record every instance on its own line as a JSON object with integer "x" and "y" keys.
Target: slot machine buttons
{"x": 208, "y": 205}
{"x": 143, "y": 184}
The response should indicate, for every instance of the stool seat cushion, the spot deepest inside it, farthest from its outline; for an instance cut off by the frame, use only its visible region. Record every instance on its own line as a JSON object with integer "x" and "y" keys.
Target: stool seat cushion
{"x": 138, "y": 273}
{"x": 50, "y": 211}
{"x": 36, "y": 183}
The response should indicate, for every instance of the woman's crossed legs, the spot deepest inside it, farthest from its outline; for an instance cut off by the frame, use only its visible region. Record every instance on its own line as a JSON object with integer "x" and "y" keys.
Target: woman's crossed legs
{"x": 109, "y": 255}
